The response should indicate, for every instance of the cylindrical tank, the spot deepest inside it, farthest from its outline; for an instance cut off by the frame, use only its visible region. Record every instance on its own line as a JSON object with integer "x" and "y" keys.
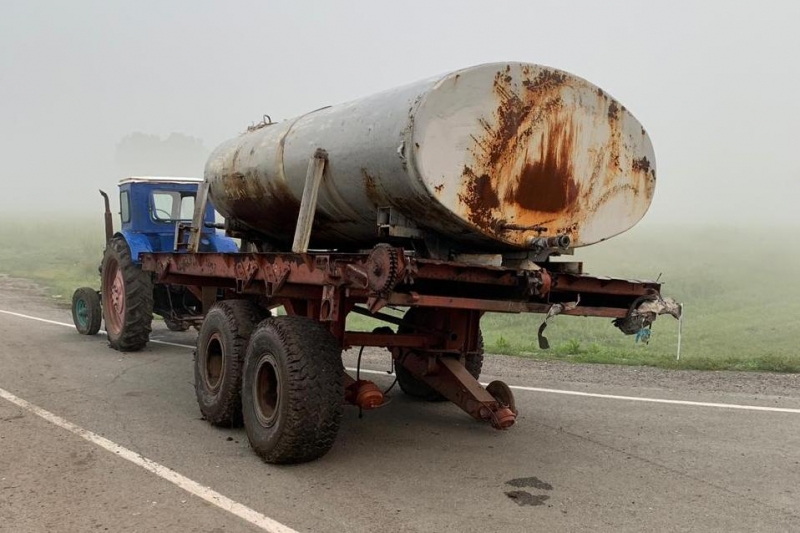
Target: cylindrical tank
{"x": 489, "y": 158}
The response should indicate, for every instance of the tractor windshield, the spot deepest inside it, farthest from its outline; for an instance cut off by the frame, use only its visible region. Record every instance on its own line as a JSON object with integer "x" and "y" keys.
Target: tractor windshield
{"x": 169, "y": 206}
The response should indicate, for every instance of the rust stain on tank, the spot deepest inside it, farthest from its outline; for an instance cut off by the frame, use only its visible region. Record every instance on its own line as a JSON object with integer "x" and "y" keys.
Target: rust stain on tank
{"x": 481, "y": 198}
{"x": 613, "y": 111}
{"x": 541, "y": 183}
{"x": 523, "y": 169}
{"x": 641, "y": 165}
{"x": 371, "y": 189}
{"x": 546, "y": 183}
{"x": 254, "y": 204}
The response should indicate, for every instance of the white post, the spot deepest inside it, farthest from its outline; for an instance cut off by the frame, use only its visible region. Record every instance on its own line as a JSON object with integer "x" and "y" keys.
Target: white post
{"x": 200, "y": 203}
{"x": 308, "y": 204}
{"x": 680, "y": 331}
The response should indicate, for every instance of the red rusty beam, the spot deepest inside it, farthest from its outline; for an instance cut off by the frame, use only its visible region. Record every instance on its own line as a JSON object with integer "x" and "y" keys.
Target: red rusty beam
{"x": 497, "y": 306}
{"x": 303, "y": 276}
{"x": 389, "y": 340}
{"x": 459, "y": 272}
{"x": 584, "y": 284}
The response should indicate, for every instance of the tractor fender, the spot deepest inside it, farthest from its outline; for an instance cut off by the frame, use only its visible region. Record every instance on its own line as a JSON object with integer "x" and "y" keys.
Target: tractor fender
{"x": 220, "y": 243}
{"x": 138, "y": 244}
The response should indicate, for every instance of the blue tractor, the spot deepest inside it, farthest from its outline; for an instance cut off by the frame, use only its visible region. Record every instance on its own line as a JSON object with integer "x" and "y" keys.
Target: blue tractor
{"x": 155, "y": 215}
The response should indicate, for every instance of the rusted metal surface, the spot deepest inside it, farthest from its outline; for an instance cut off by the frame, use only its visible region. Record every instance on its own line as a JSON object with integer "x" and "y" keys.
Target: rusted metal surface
{"x": 409, "y": 340}
{"x": 474, "y": 156}
{"x": 555, "y": 155}
{"x": 335, "y": 282}
{"x": 362, "y": 393}
{"x": 435, "y": 337}
{"x": 452, "y": 380}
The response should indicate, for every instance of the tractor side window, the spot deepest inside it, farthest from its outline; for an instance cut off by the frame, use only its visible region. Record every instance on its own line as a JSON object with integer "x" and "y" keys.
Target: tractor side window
{"x": 124, "y": 207}
{"x": 164, "y": 204}
{"x": 187, "y": 207}
{"x": 169, "y": 206}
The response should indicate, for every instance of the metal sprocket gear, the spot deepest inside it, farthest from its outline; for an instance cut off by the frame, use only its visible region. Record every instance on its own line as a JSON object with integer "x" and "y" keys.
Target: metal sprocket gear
{"x": 382, "y": 269}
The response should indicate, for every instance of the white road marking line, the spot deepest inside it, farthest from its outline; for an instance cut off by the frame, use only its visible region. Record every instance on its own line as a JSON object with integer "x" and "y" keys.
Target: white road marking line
{"x": 56, "y": 323}
{"x": 627, "y": 398}
{"x": 520, "y": 387}
{"x": 20, "y": 315}
{"x": 211, "y": 496}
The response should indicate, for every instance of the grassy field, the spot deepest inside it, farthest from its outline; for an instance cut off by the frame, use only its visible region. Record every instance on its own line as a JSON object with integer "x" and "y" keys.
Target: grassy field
{"x": 742, "y": 301}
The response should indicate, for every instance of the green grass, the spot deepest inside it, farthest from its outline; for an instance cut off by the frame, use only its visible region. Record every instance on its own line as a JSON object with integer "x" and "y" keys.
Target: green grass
{"x": 741, "y": 296}
{"x": 60, "y": 255}
{"x": 740, "y": 289}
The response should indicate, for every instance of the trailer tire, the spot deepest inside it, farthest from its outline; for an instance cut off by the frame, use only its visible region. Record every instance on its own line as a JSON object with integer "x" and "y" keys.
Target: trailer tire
{"x": 127, "y": 294}
{"x": 87, "y": 312}
{"x": 416, "y": 388}
{"x": 219, "y": 359}
{"x": 293, "y": 390}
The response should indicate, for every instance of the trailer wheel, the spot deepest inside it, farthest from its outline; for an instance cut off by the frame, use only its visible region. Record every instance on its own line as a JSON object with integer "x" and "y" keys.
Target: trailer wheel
{"x": 412, "y": 386}
{"x": 293, "y": 390}
{"x": 127, "y": 293}
{"x": 86, "y": 311}
{"x": 219, "y": 358}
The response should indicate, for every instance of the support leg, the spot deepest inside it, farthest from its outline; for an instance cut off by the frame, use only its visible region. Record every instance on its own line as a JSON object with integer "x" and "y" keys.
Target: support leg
{"x": 451, "y": 379}
{"x": 308, "y": 204}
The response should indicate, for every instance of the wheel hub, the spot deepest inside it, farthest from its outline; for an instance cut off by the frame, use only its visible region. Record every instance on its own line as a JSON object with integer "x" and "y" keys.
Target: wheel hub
{"x": 266, "y": 390}
{"x": 114, "y": 298}
{"x": 214, "y": 363}
{"x": 82, "y": 312}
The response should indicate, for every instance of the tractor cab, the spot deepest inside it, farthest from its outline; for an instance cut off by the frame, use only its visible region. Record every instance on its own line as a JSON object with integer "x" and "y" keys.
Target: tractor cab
{"x": 152, "y": 210}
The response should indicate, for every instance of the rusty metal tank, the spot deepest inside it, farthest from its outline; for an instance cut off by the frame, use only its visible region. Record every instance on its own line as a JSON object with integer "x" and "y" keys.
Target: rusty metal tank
{"x": 488, "y": 158}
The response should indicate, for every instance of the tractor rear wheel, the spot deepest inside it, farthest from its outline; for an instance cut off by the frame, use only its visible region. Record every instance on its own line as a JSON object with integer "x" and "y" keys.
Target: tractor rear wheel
{"x": 127, "y": 293}
{"x": 416, "y": 388}
{"x": 86, "y": 311}
{"x": 221, "y": 345}
{"x": 292, "y": 390}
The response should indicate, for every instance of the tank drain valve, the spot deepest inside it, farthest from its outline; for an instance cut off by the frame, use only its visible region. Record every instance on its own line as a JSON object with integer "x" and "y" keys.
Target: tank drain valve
{"x": 561, "y": 242}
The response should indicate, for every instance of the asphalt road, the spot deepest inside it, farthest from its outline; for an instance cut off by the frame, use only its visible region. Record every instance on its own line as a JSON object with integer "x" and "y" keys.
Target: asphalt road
{"x": 572, "y": 463}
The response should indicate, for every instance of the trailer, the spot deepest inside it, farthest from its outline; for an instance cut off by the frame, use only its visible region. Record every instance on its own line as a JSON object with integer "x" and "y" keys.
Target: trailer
{"x": 382, "y": 219}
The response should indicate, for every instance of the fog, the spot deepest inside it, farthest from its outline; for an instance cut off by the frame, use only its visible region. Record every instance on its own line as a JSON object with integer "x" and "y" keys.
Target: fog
{"x": 717, "y": 85}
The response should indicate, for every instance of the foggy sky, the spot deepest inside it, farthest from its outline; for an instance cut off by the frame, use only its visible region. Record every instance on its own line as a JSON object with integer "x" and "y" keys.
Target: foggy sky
{"x": 716, "y": 84}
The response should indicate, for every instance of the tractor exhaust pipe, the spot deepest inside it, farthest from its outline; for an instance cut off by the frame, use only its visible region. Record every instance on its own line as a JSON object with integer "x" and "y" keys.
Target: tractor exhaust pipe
{"x": 109, "y": 222}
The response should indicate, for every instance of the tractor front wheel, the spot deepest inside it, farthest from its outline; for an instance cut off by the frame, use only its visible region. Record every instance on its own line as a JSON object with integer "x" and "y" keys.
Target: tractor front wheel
{"x": 86, "y": 311}
{"x": 127, "y": 298}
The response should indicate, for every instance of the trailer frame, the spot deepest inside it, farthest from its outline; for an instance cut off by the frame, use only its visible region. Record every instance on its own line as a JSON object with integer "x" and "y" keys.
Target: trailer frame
{"x": 326, "y": 287}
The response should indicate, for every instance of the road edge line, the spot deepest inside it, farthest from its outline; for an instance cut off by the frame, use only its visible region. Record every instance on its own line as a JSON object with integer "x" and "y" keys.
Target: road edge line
{"x": 207, "y": 494}
{"x": 741, "y": 407}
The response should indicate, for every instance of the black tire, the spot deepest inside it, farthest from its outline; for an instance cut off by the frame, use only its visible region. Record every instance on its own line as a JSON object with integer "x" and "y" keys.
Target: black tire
{"x": 412, "y": 386}
{"x": 128, "y": 325}
{"x": 293, "y": 390}
{"x": 86, "y": 311}
{"x": 176, "y": 325}
{"x": 219, "y": 359}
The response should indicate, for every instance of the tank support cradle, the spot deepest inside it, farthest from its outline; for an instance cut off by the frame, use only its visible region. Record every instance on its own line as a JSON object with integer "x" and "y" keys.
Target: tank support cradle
{"x": 449, "y": 377}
